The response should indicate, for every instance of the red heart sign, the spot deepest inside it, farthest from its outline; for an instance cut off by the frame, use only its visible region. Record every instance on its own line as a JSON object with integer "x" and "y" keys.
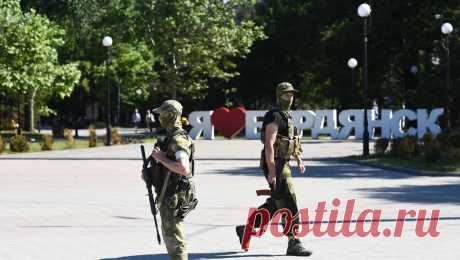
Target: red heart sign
{"x": 229, "y": 122}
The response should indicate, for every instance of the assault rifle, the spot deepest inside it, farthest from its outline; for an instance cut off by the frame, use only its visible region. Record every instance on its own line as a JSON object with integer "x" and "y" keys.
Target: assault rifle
{"x": 148, "y": 174}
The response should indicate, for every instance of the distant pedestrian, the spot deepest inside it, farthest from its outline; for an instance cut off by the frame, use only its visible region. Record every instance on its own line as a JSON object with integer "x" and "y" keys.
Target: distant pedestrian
{"x": 136, "y": 119}
{"x": 149, "y": 121}
{"x": 375, "y": 108}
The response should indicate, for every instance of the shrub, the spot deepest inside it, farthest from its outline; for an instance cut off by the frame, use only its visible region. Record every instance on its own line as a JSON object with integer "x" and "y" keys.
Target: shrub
{"x": 455, "y": 140}
{"x": 380, "y": 146}
{"x": 2, "y": 145}
{"x": 57, "y": 128}
{"x": 394, "y": 146}
{"x": 132, "y": 141}
{"x": 431, "y": 148}
{"x": 92, "y": 137}
{"x": 427, "y": 138}
{"x": 408, "y": 147}
{"x": 116, "y": 138}
{"x": 453, "y": 154}
{"x": 69, "y": 138}
{"x": 7, "y": 123}
{"x": 47, "y": 142}
{"x": 19, "y": 143}
{"x": 444, "y": 140}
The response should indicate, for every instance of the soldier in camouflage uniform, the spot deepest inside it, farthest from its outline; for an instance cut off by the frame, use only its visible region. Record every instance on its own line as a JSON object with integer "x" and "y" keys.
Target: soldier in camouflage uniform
{"x": 177, "y": 193}
{"x": 281, "y": 142}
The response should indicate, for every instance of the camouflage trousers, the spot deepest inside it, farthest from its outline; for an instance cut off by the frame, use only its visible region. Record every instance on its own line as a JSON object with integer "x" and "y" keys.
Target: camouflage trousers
{"x": 283, "y": 196}
{"x": 173, "y": 233}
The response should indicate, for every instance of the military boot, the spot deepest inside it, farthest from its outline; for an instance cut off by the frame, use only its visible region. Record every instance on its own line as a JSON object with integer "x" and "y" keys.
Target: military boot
{"x": 240, "y": 232}
{"x": 295, "y": 248}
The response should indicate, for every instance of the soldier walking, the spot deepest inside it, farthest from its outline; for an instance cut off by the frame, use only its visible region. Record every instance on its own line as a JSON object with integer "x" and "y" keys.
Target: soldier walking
{"x": 176, "y": 188}
{"x": 281, "y": 142}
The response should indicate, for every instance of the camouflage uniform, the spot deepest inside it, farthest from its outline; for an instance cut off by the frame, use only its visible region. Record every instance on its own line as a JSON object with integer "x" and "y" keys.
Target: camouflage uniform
{"x": 287, "y": 144}
{"x": 179, "y": 198}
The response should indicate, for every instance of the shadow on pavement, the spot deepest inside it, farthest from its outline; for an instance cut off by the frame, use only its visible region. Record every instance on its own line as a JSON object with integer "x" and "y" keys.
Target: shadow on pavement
{"x": 331, "y": 170}
{"x": 217, "y": 255}
{"x": 443, "y": 193}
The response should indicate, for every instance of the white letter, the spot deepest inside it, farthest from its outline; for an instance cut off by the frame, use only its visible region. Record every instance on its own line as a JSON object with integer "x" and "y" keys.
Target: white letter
{"x": 201, "y": 123}
{"x": 303, "y": 119}
{"x": 424, "y": 122}
{"x": 322, "y": 117}
{"x": 396, "y": 129}
{"x": 383, "y": 123}
{"x": 348, "y": 125}
{"x": 252, "y": 124}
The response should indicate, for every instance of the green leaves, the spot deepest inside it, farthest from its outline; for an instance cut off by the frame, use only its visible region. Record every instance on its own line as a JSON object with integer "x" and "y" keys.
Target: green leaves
{"x": 29, "y": 59}
{"x": 162, "y": 48}
{"x": 196, "y": 40}
{"x": 131, "y": 68}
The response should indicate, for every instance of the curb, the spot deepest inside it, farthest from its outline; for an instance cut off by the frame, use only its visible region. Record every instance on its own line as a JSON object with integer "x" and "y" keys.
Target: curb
{"x": 400, "y": 169}
{"x": 113, "y": 158}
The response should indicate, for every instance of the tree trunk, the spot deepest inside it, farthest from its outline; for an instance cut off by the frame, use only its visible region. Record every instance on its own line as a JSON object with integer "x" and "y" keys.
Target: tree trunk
{"x": 77, "y": 125}
{"x": 31, "y": 126}
{"x": 19, "y": 129}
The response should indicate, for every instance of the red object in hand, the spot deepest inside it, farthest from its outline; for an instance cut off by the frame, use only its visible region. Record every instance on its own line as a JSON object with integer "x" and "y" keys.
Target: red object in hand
{"x": 229, "y": 122}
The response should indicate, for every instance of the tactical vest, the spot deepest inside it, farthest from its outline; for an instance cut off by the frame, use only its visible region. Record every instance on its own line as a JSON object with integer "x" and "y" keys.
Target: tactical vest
{"x": 176, "y": 182}
{"x": 287, "y": 141}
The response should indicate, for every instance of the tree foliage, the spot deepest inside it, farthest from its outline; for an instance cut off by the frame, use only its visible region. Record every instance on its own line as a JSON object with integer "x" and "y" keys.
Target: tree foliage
{"x": 162, "y": 48}
{"x": 309, "y": 43}
{"x": 29, "y": 63}
{"x": 195, "y": 41}
{"x": 203, "y": 49}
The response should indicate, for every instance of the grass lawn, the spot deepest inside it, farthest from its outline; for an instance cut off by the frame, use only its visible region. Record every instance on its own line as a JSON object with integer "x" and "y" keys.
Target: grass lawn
{"x": 61, "y": 144}
{"x": 416, "y": 163}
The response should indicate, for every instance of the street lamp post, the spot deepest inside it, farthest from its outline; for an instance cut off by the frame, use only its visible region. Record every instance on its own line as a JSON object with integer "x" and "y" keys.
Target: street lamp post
{"x": 19, "y": 129}
{"x": 352, "y": 63}
{"x": 139, "y": 93}
{"x": 107, "y": 42}
{"x": 364, "y": 11}
{"x": 118, "y": 105}
{"x": 447, "y": 29}
{"x": 2, "y": 98}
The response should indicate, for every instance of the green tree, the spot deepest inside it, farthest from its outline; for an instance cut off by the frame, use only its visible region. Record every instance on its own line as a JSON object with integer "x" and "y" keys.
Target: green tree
{"x": 83, "y": 46}
{"x": 191, "y": 44}
{"x": 130, "y": 70}
{"x": 195, "y": 41}
{"x": 309, "y": 43}
{"x": 29, "y": 62}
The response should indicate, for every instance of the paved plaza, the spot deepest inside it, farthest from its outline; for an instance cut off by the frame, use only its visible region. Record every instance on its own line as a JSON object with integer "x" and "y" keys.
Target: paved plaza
{"x": 92, "y": 204}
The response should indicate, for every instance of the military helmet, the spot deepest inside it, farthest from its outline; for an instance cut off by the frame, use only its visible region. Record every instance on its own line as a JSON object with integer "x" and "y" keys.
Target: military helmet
{"x": 285, "y": 87}
{"x": 171, "y": 105}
